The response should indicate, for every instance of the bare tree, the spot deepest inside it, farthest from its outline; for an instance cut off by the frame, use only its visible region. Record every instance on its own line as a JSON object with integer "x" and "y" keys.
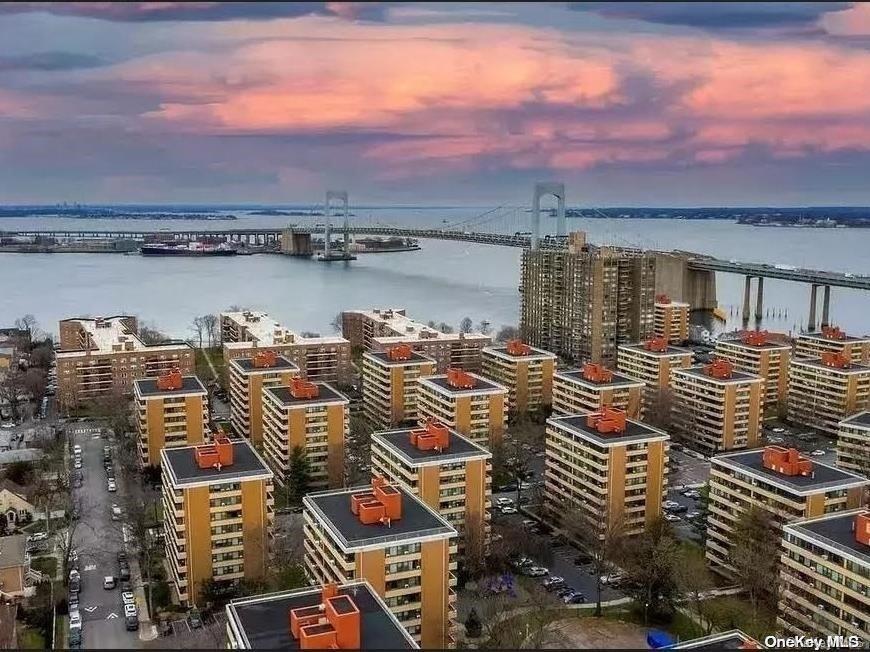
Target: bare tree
{"x": 336, "y": 323}
{"x": 150, "y": 334}
{"x": 484, "y": 327}
{"x": 12, "y": 390}
{"x": 198, "y": 327}
{"x": 466, "y": 325}
{"x": 28, "y": 323}
{"x": 650, "y": 563}
{"x": 445, "y": 328}
{"x": 694, "y": 579}
{"x": 754, "y": 555}
{"x": 212, "y": 329}
{"x": 506, "y": 333}
{"x": 34, "y": 381}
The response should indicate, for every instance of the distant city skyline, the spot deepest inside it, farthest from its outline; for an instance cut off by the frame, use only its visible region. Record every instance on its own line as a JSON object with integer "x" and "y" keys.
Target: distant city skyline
{"x": 629, "y": 104}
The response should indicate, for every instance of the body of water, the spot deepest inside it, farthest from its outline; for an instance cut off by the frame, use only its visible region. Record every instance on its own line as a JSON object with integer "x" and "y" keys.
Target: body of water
{"x": 445, "y": 281}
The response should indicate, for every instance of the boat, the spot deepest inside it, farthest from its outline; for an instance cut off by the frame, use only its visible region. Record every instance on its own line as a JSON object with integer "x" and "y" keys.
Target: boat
{"x": 187, "y": 249}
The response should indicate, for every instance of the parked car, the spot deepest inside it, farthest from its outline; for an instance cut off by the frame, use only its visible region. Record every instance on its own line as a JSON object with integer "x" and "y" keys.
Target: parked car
{"x": 522, "y": 562}
{"x": 75, "y": 638}
{"x": 77, "y": 449}
{"x": 195, "y": 619}
{"x": 75, "y": 581}
{"x": 116, "y": 512}
{"x": 39, "y": 536}
{"x": 75, "y": 619}
{"x": 536, "y": 571}
{"x": 611, "y": 579}
{"x": 131, "y": 622}
{"x": 126, "y": 586}
{"x": 507, "y": 509}
{"x": 574, "y": 598}
{"x": 111, "y": 486}
{"x": 553, "y": 580}
{"x": 671, "y": 518}
{"x": 127, "y": 597}
{"x": 694, "y": 494}
{"x": 693, "y": 515}
{"x": 817, "y": 453}
{"x": 130, "y": 610}
{"x": 679, "y": 509}
{"x": 108, "y": 582}
{"x": 124, "y": 573}
{"x": 565, "y": 590}
{"x": 77, "y": 464}
{"x": 670, "y": 504}
{"x": 503, "y": 500}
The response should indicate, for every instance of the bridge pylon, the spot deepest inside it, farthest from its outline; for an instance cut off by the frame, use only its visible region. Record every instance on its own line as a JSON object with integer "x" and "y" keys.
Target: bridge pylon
{"x": 548, "y": 188}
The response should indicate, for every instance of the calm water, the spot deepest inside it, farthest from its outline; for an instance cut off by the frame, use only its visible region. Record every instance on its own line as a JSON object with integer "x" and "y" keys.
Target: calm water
{"x": 445, "y": 281}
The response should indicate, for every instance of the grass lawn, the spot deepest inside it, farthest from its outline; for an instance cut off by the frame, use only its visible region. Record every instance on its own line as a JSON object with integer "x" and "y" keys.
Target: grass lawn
{"x": 47, "y": 565}
{"x": 61, "y": 627}
{"x": 30, "y": 639}
{"x": 732, "y": 612}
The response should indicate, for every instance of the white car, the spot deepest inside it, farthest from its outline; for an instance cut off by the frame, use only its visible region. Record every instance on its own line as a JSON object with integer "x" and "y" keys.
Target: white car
{"x": 111, "y": 485}
{"x": 128, "y": 598}
{"x": 75, "y": 619}
{"x": 536, "y": 571}
{"x": 7, "y": 426}
{"x": 508, "y": 509}
{"x": 670, "y": 504}
{"x": 77, "y": 450}
{"x": 817, "y": 453}
{"x": 130, "y": 610}
{"x": 502, "y": 501}
{"x": 778, "y": 430}
{"x": 116, "y": 512}
{"x": 78, "y": 463}
{"x": 39, "y": 536}
{"x": 672, "y": 518}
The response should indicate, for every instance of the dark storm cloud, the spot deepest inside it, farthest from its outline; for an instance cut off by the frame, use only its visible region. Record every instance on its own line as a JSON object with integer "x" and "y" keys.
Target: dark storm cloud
{"x": 717, "y": 16}
{"x": 50, "y": 61}
{"x": 198, "y": 11}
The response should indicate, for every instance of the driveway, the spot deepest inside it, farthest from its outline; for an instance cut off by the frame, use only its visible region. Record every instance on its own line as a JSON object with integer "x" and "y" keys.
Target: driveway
{"x": 98, "y": 540}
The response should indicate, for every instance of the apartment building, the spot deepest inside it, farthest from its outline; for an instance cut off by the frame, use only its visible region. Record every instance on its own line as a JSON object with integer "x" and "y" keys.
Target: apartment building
{"x": 823, "y": 391}
{"x": 578, "y": 391}
{"x": 716, "y": 408}
{"x": 217, "y": 514}
{"x": 100, "y": 356}
{"x": 472, "y": 405}
{"x": 245, "y": 333}
{"x": 756, "y": 352}
{"x": 651, "y": 362}
{"x": 825, "y": 578}
{"x": 671, "y": 319}
{"x": 350, "y": 616}
{"x": 778, "y": 480}
{"x": 612, "y": 469}
{"x": 382, "y": 329}
{"x": 853, "y": 443}
{"x": 313, "y": 417}
{"x": 833, "y": 340}
{"x": 247, "y": 379}
{"x": 389, "y": 384}
{"x": 171, "y": 410}
{"x": 584, "y": 301}
{"x": 527, "y": 372}
{"x": 448, "y": 472}
{"x": 387, "y": 536}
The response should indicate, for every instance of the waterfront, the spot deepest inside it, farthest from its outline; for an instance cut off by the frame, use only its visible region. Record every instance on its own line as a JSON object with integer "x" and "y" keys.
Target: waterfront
{"x": 444, "y": 281}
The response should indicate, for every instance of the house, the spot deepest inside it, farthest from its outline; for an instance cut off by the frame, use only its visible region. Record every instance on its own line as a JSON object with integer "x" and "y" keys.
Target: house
{"x": 14, "y": 565}
{"x": 14, "y": 505}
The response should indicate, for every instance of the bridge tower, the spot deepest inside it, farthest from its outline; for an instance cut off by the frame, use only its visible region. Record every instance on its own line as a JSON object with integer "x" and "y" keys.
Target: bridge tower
{"x": 341, "y": 197}
{"x": 542, "y": 189}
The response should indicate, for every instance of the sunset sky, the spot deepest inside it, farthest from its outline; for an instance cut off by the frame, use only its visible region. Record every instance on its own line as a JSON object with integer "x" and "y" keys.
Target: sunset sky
{"x": 678, "y": 104}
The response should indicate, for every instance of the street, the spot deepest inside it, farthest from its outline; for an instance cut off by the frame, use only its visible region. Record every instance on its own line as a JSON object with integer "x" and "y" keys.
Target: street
{"x": 98, "y": 539}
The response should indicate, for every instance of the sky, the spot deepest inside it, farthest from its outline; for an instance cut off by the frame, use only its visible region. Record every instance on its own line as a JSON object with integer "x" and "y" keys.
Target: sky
{"x": 628, "y": 104}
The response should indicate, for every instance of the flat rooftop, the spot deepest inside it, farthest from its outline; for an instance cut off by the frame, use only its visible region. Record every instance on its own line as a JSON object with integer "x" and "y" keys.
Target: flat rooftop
{"x": 735, "y": 377}
{"x": 617, "y": 380}
{"x": 332, "y": 508}
{"x": 847, "y": 338}
{"x": 672, "y": 304}
{"x": 405, "y": 329}
{"x": 837, "y": 532}
{"x": 668, "y": 352}
{"x": 182, "y": 466}
{"x": 147, "y": 387}
{"x": 824, "y": 477}
{"x": 535, "y": 354}
{"x": 482, "y": 385}
{"x": 247, "y": 365}
{"x": 766, "y": 346}
{"x": 383, "y": 358}
{"x": 269, "y": 332}
{"x": 326, "y": 395}
{"x": 114, "y": 331}
{"x": 399, "y": 442}
{"x": 730, "y": 640}
{"x": 13, "y": 550}
{"x": 816, "y": 363}
{"x": 860, "y": 419}
{"x": 635, "y": 431}
{"x": 263, "y": 622}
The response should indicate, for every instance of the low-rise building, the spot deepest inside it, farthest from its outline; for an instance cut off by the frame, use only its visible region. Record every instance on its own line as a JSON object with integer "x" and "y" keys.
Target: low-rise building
{"x": 853, "y": 443}
{"x": 350, "y": 616}
{"x": 247, "y": 379}
{"x": 825, "y": 578}
{"x": 387, "y": 536}
{"x": 171, "y": 410}
{"x": 14, "y": 565}
{"x": 671, "y": 319}
{"x": 381, "y": 329}
{"x": 389, "y": 384}
{"x": 312, "y": 417}
{"x": 830, "y": 339}
{"x": 245, "y": 333}
{"x": 716, "y": 408}
{"x": 651, "y": 362}
{"x": 527, "y": 372}
{"x": 217, "y": 514}
{"x": 756, "y": 352}
{"x": 612, "y": 469}
{"x": 14, "y": 504}
{"x": 733, "y": 639}
{"x": 578, "y": 391}
{"x": 468, "y": 403}
{"x": 450, "y": 473}
{"x": 104, "y": 355}
{"x": 780, "y": 481}
{"x": 823, "y": 391}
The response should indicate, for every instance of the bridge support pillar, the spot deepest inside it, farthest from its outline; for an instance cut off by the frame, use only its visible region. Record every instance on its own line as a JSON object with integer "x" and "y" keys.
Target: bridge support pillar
{"x": 759, "y": 302}
{"x": 826, "y": 306}
{"x": 558, "y": 191}
{"x": 747, "y": 291}
{"x": 811, "y": 321}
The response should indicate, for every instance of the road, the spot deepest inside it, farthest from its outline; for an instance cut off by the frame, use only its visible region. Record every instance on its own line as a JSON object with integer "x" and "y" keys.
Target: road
{"x": 98, "y": 540}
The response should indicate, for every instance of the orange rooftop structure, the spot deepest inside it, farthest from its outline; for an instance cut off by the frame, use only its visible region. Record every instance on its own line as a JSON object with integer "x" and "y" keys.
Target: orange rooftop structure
{"x": 382, "y": 505}
{"x": 663, "y": 298}
{"x": 303, "y": 389}
{"x": 334, "y": 624}
{"x": 518, "y": 347}
{"x": 597, "y": 373}
{"x": 862, "y": 528}
{"x": 215, "y": 455}
{"x": 719, "y": 368}
{"x": 831, "y": 359}
{"x": 171, "y": 381}
{"x": 607, "y": 420}
{"x": 786, "y": 461}
{"x": 432, "y": 436}
{"x": 754, "y": 338}
{"x": 264, "y": 359}
{"x": 658, "y": 344}
{"x": 833, "y": 333}
{"x": 460, "y": 379}
{"x": 400, "y": 352}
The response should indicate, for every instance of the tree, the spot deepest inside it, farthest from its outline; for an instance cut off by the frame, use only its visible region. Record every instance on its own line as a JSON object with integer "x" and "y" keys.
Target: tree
{"x": 198, "y": 327}
{"x": 141, "y": 511}
{"x": 659, "y": 407}
{"x": 27, "y": 323}
{"x": 114, "y": 408}
{"x": 465, "y": 325}
{"x": 513, "y": 457}
{"x": 506, "y": 333}
{"x": 358, "y": 450}
{"x": 150, "y": 334}
{"x": 649, "y": 561}
{"x": 754, "y": 555}
{"x": 12, "y": 390}
{"x": 298, "y": 476}
{"x": 484, "y": 327}
{"x": 212, "y": 329}
{"x": 336, "y": 322}
{"x": 694, "y": 579}
{"x": 42, "y": 355}
{"x": 473, "y": 627}
{"x": 34, "y": 381}
{"x": 445, "y": 328}
{"x": 21, "y": 473}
